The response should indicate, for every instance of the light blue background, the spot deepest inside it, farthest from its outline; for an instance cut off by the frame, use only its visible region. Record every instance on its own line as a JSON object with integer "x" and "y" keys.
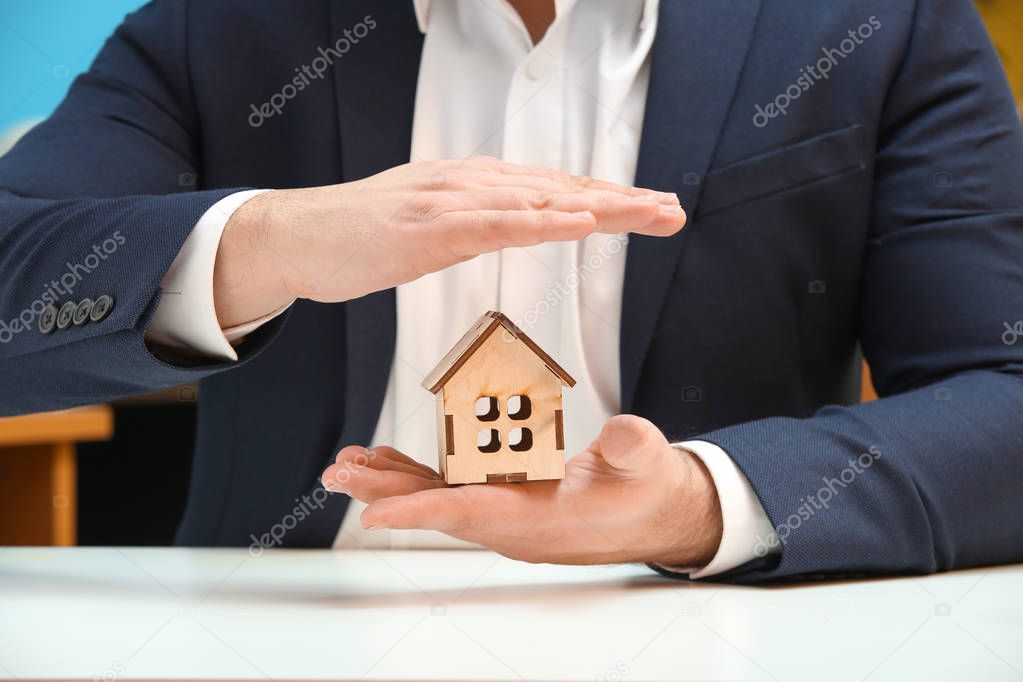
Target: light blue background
{"x": 44, "y": 44}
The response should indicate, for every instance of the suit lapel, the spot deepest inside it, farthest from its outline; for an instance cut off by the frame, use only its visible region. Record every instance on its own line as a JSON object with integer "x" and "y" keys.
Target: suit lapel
{"x": 697, "y": 59}
{"x": 374, "y": 86}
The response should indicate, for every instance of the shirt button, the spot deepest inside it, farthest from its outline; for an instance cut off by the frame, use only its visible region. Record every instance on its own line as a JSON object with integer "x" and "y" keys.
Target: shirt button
{"x": 81, "y": 315}
{"x": 48, "y": 319}
{"x": 67, "y": 311}
{"x": 536, "y": 69}
{"x": 101, "y": 307}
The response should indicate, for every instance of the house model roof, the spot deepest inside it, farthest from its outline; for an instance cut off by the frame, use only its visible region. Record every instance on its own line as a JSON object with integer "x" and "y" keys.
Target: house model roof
{"x": 474, "y": 338}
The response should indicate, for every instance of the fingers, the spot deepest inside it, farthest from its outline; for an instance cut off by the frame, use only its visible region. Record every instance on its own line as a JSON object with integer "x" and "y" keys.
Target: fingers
{"x": 546, "y": 179}
{"x": 475, "y": 232}
{"x": 380, "y": 472}
{"x": 630, "y": 443}
{"x": 381, "y": 463}
{"x": 367, "y": 484}
{"x": 506, "y": 509}
{"x": 668, "y": 221}
{"x": 442, "y": 509}
{"x": 385, "y": 457}
{"x": 615, "y": 212}
{"x": 485, "y": 183}
{"x": 563, "y": 183}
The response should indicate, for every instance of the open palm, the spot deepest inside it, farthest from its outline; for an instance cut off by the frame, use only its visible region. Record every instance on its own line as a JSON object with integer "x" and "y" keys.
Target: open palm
{"x": 629, "y": 496}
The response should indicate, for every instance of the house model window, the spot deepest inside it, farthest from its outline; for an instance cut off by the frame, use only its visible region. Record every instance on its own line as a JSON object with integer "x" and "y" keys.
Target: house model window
{"x": 499, "y": 415}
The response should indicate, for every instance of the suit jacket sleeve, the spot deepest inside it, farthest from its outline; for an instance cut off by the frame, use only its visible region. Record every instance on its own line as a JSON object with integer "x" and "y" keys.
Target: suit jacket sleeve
{"x": 929, "y": 477}
{"x": 98, "y": 200}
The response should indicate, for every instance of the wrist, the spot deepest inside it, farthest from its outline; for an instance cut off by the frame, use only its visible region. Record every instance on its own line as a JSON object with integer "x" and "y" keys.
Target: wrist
{"x": 247, "y": 280}
{"x": 696, "y": 510}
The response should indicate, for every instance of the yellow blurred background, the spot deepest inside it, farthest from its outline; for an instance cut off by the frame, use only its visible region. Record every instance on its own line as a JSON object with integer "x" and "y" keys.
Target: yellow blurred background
{"x": 1004, "y": 20}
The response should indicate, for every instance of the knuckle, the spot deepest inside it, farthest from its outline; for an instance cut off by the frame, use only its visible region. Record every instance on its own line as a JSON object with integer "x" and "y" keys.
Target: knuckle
{"x": 582, "y": 181}
{"x": 451, "y": 179}
{"x": 541, "y": 200}
{"x": 542, "y": 221}
{"x": 422, "y": 209}
{"x": 475, "y": 222}
{"x": 457, "y": 178}
{"x": 606, "y": 202}
{"x": 443, "y": 176}
{"x": 535, "y": 229}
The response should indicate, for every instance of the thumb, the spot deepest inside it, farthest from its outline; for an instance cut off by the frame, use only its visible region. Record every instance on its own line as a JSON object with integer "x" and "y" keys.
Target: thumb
{"x": 629, "y": 442}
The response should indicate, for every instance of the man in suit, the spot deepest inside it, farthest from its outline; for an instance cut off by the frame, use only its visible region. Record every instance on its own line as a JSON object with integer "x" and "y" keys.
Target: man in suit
{"x": 850, "y": 171}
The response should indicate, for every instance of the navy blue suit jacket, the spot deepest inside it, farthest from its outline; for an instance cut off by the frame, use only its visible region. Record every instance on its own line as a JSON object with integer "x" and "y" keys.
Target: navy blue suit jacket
{"x": 882, "y": 211}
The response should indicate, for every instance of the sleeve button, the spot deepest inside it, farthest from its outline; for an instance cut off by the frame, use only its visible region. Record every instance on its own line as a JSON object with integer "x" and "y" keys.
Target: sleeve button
{"x": 48, "y": 319}
{"x": 82, "y": 312}
{"x": 101, "y": 307}
{"x": 67, "y": 311}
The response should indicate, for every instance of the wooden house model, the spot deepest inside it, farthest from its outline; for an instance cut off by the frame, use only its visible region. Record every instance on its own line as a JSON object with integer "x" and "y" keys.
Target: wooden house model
{"x": 499, "y": 415}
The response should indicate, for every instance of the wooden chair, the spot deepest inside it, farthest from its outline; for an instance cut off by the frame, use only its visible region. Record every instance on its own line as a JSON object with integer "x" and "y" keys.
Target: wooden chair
{"x": 38, "y": 473}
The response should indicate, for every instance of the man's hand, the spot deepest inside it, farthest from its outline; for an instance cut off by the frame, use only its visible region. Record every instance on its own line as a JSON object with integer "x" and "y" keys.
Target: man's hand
{"x": 339, "y": 242}
{"x": 629, "y": 497}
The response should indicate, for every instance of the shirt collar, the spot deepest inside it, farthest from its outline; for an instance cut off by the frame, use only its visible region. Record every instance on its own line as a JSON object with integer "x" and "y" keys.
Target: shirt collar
{"x": 422, "y": 8}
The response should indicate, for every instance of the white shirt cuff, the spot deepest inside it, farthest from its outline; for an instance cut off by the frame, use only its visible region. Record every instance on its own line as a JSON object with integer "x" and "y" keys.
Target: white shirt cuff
{"x": 186, "y": 317}
{"x": 746, "y": 530}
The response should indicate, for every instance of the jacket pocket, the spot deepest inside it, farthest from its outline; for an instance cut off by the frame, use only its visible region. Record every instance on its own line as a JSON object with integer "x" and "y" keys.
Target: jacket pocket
{"x": 783, "y": 169}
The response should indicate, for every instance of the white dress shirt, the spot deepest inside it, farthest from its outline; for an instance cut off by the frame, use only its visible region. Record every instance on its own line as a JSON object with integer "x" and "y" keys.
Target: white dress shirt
{"x": 573, "y": 102}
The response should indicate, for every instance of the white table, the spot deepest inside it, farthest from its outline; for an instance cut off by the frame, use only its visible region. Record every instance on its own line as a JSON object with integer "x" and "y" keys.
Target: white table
{"x": 121, "y": 614}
